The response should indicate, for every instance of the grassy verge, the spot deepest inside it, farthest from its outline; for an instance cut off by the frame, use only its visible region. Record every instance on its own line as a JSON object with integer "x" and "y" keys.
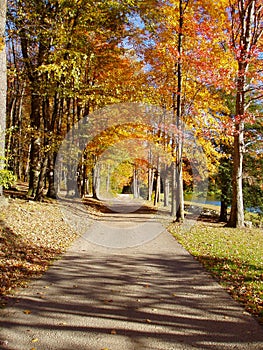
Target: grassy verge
{"x": 233, "y": 256}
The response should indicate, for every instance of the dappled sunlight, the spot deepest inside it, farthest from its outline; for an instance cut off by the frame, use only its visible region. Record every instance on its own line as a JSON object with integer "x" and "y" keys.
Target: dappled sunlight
{"x": 130, "y": 298}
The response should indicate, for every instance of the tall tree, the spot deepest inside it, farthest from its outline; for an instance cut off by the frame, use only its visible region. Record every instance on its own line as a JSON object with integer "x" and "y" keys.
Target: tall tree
{"x": 68, "y": 57}
{"x": 178, "y": 196}
{"x": 2, "y": 84}
{"x": 246, "y": 34}
{"x": 184, "y": 57}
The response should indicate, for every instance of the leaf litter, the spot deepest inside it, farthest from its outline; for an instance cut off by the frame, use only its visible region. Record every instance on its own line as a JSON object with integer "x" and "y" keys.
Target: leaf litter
{"x": 32, "y": 235}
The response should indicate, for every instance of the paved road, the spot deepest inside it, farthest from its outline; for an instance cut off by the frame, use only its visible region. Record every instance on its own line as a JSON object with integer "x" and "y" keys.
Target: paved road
{"x": 154, "y": 296}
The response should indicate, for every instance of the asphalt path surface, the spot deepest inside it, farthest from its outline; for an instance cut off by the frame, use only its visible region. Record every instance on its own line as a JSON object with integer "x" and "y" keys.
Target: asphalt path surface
{"x": 146, "y": 293}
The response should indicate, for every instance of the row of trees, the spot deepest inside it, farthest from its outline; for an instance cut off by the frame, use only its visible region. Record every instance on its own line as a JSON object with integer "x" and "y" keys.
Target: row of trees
{"x": 201, "y": 65}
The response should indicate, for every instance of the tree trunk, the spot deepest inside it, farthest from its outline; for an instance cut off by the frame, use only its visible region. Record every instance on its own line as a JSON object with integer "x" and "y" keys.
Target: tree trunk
{"x": 14, "y": 145}
{"x": 237, "y": 207}
{"x": 150, "y": 176}
{"x": 3, "y": 85}
{"x": 21, "y": 151}
{"x": 39, "y": 196}
{"x": 180, "y": 190}
{"x": 223, "y": 209}
{"x": 108, "y": 180}
{"x": 84, "y": 176}
{"x": 179, "y": 143}
{"x": 173, "y": 189}
{"x": 34, "y": 166}
{"x": 51, "y": 193}
{"x": 135, "y": 183}
{"x": 246, "y": 36}
{"x": 166, "y": 187}
{"x": 36, "y": 102}
{"x": 158, "y": 184}
{"x": 95, "y": 181}
{"x": 178, "y": 197}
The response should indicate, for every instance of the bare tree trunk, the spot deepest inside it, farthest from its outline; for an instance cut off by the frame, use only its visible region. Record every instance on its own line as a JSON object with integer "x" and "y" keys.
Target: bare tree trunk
{"x": 3, "y": 85}
{"x": 20, "y": 145}
{"x": 177, "y": 172}
{"x": 35, "y": 145}
{"x": 36, "y": 102}
{"x": 223, "y": 208}
{"x": 158, "y": 184}
{"x": 95, "y": 181}
{"x": 108, "y": 180}
{"x": 135, "y": 183}
{"x": 39, "y": 196}
{"x": 173, "y": 188}
{"x": 247, "y": 31}
{"x": 84, "y": 176}
{"x": 179, "y": 143}
{"x": 34, "y": 165}
{"x": 237, "y": 207}
{"x": 180, "y": 191}
{"x": 150, "y": 176}
{"x": 166, "y": 187}
{"x": 51, "y": 193}
{"x": 14, "y": 125}
{"x": 150, "y": 183}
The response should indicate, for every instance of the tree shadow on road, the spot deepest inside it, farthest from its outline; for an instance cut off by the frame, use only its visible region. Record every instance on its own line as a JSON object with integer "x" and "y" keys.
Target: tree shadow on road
{"x": 152, "y": 301}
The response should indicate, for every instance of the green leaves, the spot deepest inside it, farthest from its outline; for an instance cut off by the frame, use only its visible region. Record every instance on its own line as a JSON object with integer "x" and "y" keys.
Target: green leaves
{"x": 7, "y": 178}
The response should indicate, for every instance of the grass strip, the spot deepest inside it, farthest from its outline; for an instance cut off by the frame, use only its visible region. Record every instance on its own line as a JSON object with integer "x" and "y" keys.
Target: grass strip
{"x": 233, "y": 256}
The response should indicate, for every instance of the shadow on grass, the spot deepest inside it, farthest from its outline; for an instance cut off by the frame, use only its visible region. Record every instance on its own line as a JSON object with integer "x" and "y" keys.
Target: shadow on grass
{"x": 238, "y": 277}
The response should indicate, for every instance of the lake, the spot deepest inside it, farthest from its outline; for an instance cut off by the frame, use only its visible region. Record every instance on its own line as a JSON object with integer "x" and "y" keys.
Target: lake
{"x": 214, "y": 201}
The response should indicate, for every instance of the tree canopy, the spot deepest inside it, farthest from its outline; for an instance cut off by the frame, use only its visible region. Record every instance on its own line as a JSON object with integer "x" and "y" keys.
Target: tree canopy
{"x": 200, "y": 64}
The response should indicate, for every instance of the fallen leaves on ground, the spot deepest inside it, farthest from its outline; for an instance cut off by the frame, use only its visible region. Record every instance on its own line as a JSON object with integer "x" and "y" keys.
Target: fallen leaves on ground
{"x": 32, "y": 235}
{"x": 27, "y": 312}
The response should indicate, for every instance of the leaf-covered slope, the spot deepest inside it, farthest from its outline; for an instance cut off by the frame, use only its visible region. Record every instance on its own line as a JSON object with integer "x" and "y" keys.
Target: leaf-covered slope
{"x": 31, "y": 236}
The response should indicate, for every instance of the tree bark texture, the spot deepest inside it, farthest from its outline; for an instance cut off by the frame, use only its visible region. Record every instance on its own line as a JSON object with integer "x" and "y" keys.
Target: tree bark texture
{"x": 246, "y": 32}
{"x": 51, "y": 193}
{"x": 178, "y": 208}
{"x": 166, "y": 188}
{"x": 157, "y": 184}
{"x": 96, "y": 181}
{"x": 3, "y": 84}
